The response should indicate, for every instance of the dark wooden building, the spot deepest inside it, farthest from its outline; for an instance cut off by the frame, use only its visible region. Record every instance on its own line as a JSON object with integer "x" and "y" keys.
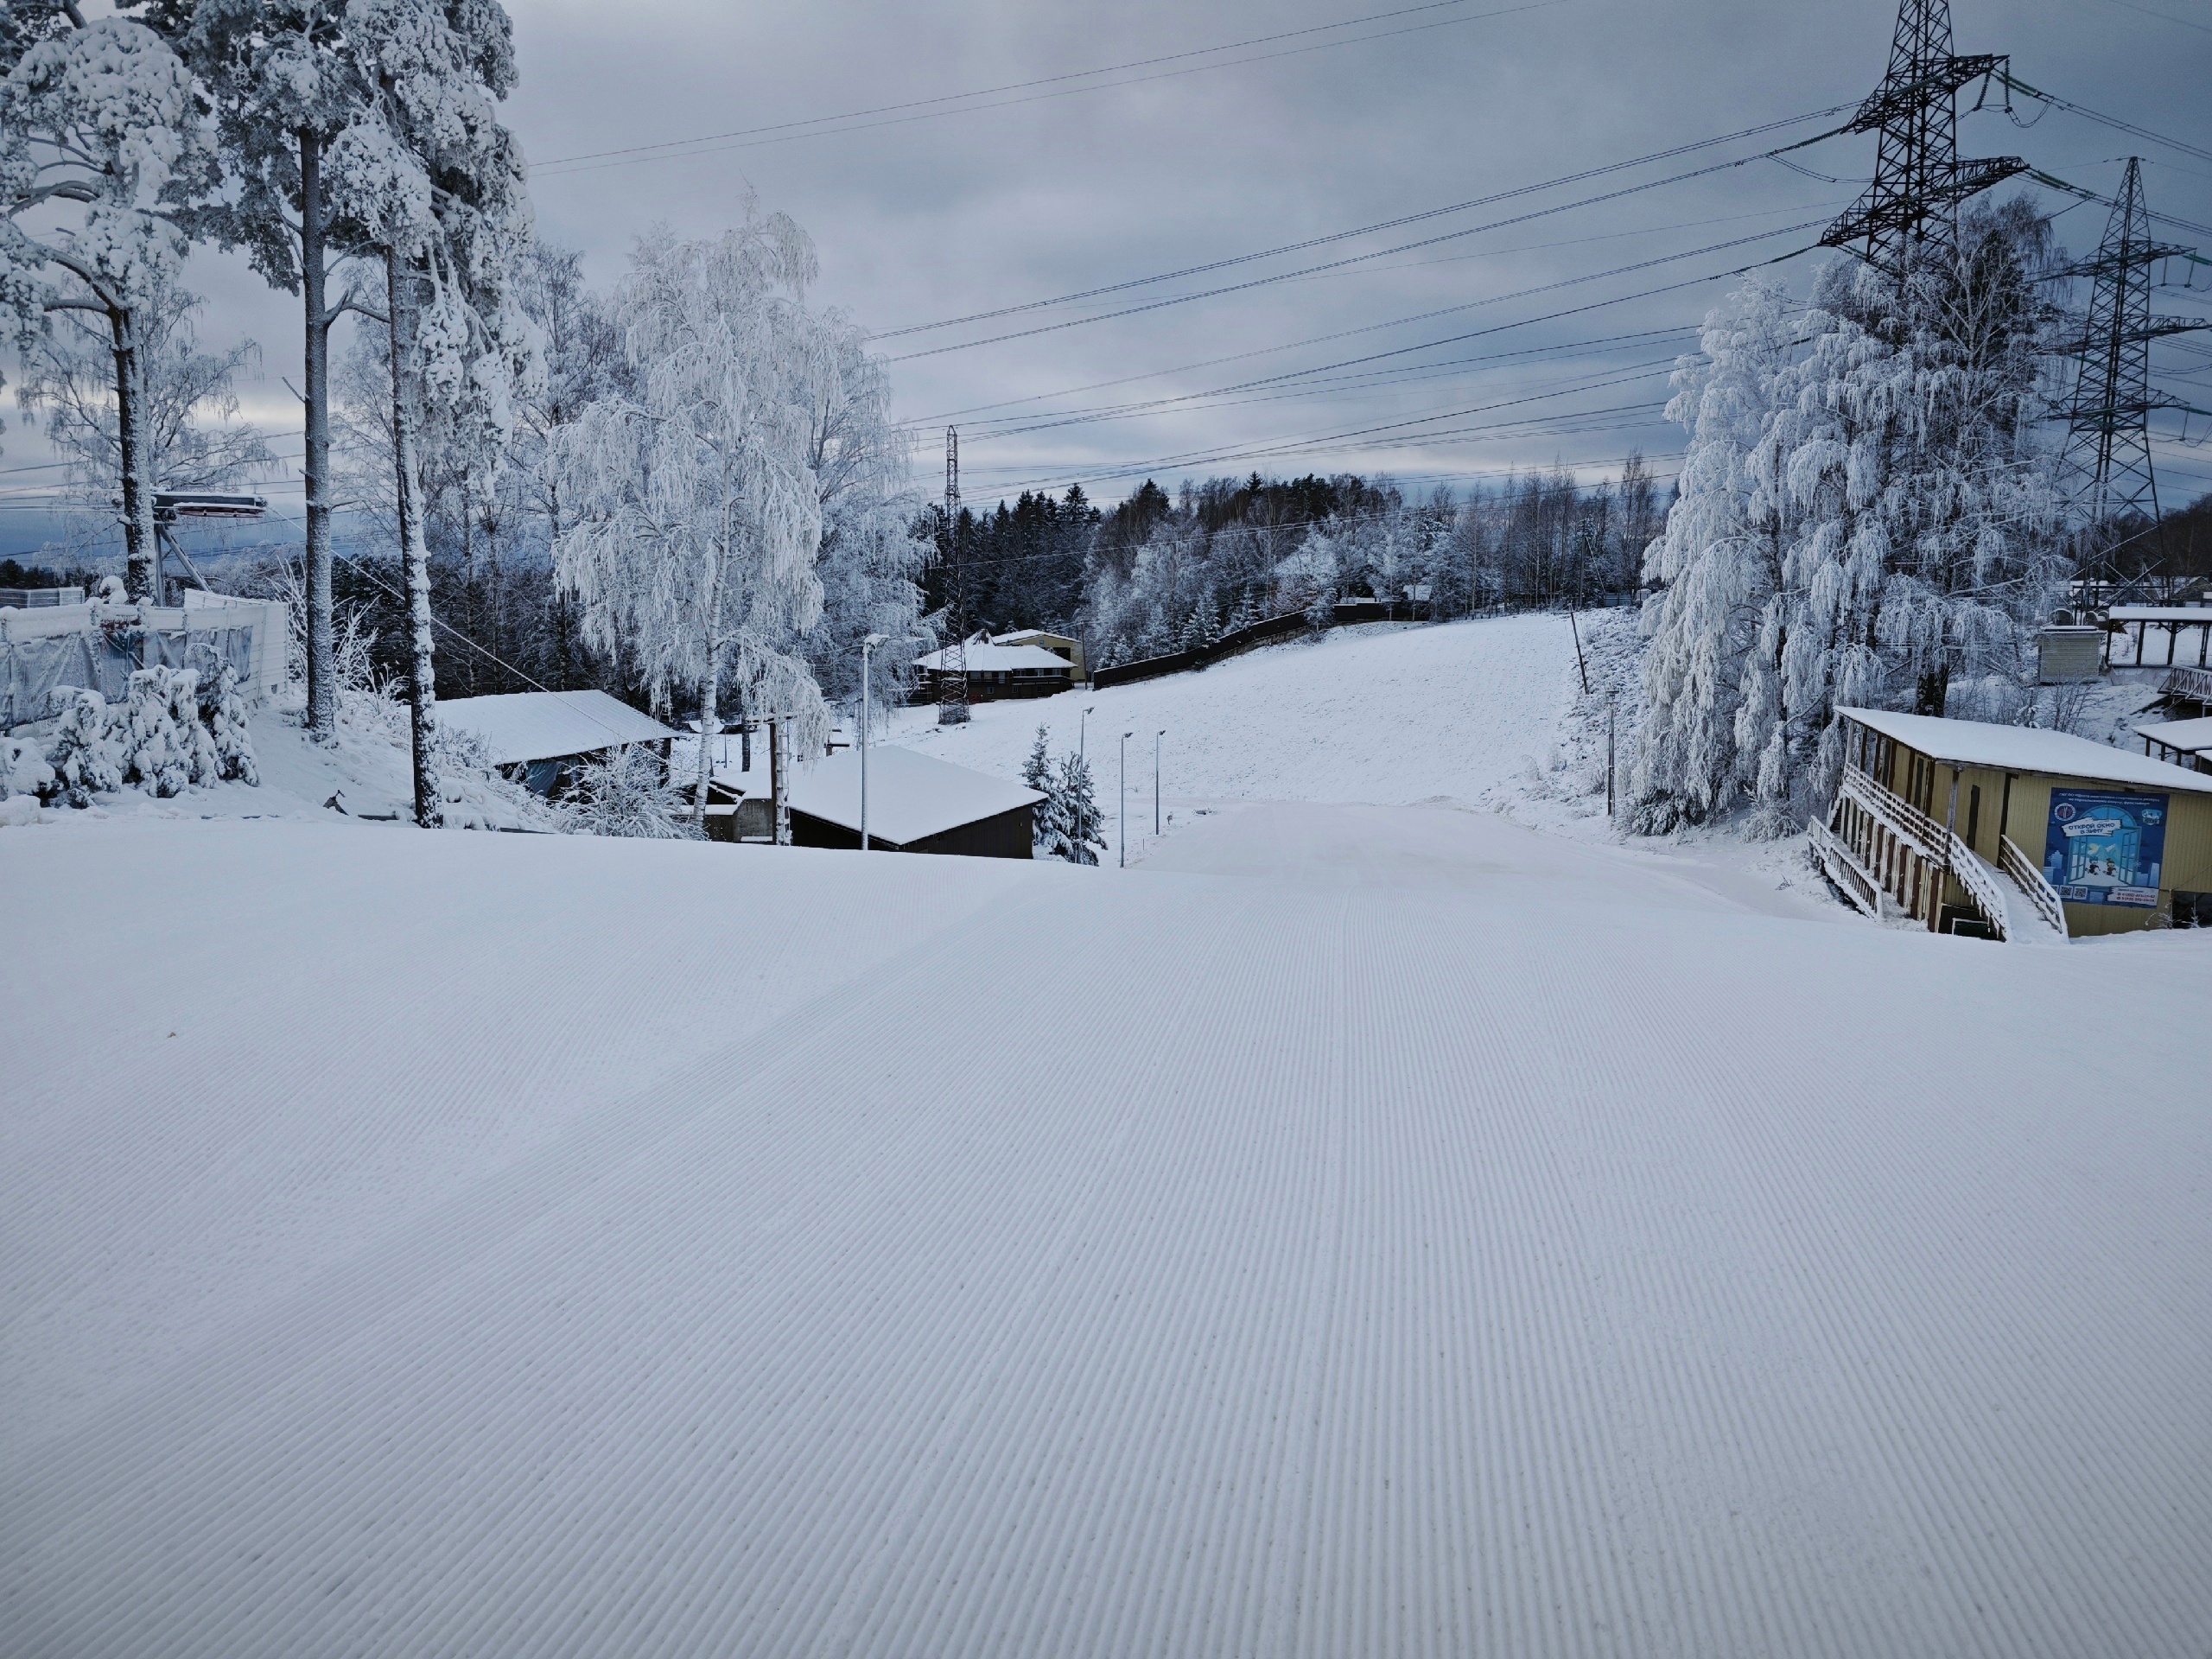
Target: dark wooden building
{"x": 915, "y": 803}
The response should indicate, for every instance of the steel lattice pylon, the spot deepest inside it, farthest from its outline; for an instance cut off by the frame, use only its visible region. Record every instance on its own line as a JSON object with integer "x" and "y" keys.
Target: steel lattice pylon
{"x": 1919, "y": 179}
{"x": 952, "y": 662}
{"x": 2107, "y": 461}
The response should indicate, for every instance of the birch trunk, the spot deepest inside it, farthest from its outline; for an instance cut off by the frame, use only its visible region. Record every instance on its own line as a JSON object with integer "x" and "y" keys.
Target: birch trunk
{"x": 414, "y": 557}
{"x": 710, "y": 689}
{"x": 134, "y": 447}
{"x": 322, "y": 654}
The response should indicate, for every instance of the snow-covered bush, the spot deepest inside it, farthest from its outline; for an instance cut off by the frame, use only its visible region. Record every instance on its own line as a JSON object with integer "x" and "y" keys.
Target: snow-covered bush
{"x": 629, "y": 792}
{"x": 23, "y": 769}
{"x": 84, "y": 756}
{"x": 233, "y": 743}
{"x": 165, "y": 748}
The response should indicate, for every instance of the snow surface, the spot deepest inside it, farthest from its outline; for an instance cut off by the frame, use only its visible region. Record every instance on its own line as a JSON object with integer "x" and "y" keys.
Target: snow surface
{"x": 1383, "y": 1230}
{"x": 2194, "y": 737}
{"x": 910, "y": 795}
{"x": 515, "y": 726}
{"x": 2025, "y": 748}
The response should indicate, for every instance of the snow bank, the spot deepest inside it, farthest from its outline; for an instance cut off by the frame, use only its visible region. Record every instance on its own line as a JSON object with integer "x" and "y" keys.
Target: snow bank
{"x": 521, "y": 1245}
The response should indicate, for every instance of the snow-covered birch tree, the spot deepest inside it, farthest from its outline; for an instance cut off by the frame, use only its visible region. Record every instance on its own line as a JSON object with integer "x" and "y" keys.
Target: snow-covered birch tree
{"x": 698, "y": 515}
{"x": 97, "y": 133}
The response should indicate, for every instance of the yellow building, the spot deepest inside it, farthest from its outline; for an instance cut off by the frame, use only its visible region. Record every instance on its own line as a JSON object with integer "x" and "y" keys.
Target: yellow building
{"x": 1062, "y": 645}
{"x": 2006, "y": 830}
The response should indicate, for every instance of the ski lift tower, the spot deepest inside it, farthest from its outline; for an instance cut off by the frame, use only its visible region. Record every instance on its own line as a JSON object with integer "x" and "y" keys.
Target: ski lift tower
{"x": 952, "y": 663}
{"x": 172, "y": 507}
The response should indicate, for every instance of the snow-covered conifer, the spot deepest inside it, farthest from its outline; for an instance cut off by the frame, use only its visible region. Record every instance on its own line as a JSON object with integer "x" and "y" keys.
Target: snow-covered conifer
{"x": 100, "y": 118}
{"x": 83, "y": 754}
{"x": 23, "y": 768}
{"x": 1078, "y": 834}
{"x": 227, "y": 727}
{"x": 156, "y": 755}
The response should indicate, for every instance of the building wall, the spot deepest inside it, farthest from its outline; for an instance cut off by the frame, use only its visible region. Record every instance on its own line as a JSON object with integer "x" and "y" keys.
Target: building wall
{"x": 2187, "y": 865}
{"x": 1008, "y": 835}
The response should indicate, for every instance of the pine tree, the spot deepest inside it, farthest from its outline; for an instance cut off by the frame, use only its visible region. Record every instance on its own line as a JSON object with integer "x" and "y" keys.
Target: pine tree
{"x": 1037, "y": 770}
{"x": 84, "y": 756}
{"x": 1079, "y": 834}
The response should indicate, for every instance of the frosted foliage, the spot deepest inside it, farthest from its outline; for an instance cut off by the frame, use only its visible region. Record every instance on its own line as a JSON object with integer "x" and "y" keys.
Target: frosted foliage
{"x": 628, "y": 792}
{"x": 165, "y": 748}
{"x": 83, "y": 754}
{"x": 699, "y": 514}
{"x": 23, "y": 769}
{"x": 1865, "y": 514}
{"x": 1077, "y": 832}
{"x": 103, "y": 113}
{"x": 233, "y": 742}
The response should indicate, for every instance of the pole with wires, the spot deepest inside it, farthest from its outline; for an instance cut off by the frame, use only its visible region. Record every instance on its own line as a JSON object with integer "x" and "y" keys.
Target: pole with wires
{"x": 952, "y": 661}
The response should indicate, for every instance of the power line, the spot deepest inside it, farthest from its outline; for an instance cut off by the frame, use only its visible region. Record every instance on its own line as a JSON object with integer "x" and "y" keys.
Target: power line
{"x": 784, "y": 132}
{"x": 2056, "y": 102}
{"x": 1398, "y": 222}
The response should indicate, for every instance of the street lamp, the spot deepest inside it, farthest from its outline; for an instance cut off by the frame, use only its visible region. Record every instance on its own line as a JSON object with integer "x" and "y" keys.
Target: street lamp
{"x": 1126, "y": 736}
{"x": 1156, "y": 736}
{"x": 1083, "y": 726}
{"x": 867, "y": 645}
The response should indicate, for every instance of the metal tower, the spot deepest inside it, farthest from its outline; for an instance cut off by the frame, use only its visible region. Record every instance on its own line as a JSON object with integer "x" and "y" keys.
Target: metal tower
{"x": 952, "y": 671}
{"x": 2108, "y": 460}
{"x": 1919, "y": 179}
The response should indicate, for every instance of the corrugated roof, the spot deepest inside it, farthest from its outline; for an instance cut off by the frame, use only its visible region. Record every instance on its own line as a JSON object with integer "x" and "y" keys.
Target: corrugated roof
{"x": 999, "y": 659}
{"x": 2026, "y": 748}
{"x": 910, "y": 795}
{"x": 518, "y": 726}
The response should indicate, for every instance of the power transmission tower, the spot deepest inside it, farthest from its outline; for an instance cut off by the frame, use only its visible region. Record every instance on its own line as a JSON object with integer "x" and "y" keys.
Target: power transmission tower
{"x": 1919, "y": 179}
{"x": 952, "y": 661}
{"x": 2108, "y": 458}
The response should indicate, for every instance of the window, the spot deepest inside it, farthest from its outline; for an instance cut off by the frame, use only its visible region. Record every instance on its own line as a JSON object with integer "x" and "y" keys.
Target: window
{"x": 1973, "y": 814}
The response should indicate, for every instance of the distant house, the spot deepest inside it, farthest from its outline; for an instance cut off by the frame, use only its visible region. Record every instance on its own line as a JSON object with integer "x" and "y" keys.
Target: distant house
{"x": 915, "y": 803}
{"x": 997, "y": 671}
{"x": 1059, "y": 644}
{"x": 539, "y": 738}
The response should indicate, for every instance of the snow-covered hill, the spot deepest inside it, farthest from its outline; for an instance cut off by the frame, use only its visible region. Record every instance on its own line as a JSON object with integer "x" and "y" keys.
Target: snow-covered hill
{"x": 505, "y": 1244}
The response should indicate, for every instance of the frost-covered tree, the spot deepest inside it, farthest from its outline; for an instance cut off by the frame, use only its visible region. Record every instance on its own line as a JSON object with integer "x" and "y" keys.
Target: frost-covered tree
{"x": 1865, "y": 509}
{"x": 628, "y": 792}
{"x": 435, "y": 183}
{"x": 82, "y": 754}
{"x": 227, "y": 730}
{"x": 283, "y": 83}
{"x": 195, "y": 439}
{"x": 99, "y": 131}
{"x": 699, "y": 516}
{"x": 874, "y": 547}
{"x": 1077, "y": 833}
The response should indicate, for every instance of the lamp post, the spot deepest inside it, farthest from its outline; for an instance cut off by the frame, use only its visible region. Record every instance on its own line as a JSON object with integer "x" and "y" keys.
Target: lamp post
{"x": 867, "y": 645}
{"x": 1082, "y": 727}
{"x": 1126, "y": 736}
{"x": 1156, "y": 736}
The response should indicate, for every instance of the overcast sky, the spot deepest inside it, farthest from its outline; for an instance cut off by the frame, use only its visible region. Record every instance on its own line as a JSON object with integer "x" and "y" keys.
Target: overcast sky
{"x": 1100, "y": 179}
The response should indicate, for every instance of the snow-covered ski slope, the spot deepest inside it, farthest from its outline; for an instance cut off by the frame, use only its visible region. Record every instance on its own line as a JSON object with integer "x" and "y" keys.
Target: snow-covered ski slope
{"x": 1381, "y": 714}
{"x": 499, "y": 1245}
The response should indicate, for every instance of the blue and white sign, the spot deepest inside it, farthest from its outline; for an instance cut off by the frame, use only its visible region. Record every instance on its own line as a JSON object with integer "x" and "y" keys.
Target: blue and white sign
{"x": 2105, "y": 848}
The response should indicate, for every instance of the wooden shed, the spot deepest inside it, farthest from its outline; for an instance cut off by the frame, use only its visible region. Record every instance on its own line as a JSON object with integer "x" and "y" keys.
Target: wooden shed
{"x": 2008, "y": 831}
{"x": 915, "y": 803}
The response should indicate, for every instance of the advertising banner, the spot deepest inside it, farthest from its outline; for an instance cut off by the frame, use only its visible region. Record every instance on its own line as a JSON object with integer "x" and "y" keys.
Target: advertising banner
{"x": 2105, "y": 848}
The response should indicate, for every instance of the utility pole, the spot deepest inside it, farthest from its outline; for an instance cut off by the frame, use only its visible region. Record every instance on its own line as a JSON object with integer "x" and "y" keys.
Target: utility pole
{"x": 2106, "y": 465}
{"x": 1124, "y": 838}
{"x": 868, "y": 644}
{"x": 952, "y": 661}
{"x": 1919, "y": 179}
{"x": 1156, "y": 736}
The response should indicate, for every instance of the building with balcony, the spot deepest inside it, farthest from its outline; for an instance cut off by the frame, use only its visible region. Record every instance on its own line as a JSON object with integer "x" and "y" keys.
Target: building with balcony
{"x": 2013, "y": 833}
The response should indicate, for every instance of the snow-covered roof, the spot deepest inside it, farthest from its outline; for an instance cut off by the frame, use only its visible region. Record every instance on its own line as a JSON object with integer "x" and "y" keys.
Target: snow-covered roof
{"x": 2199, "y": 614}
{"x": 2191, "y": 736}
{"x": 910, "y": 795}
{"x": 518, "y": 726}
{"x": 2025, "y": 748}
{"x": 1030, "y": 637}
{"x": 999, "y": 659}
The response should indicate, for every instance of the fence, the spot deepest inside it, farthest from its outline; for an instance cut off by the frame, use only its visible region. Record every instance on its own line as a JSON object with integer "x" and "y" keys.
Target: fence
{"x": 98, "y": 646}
{"x": 1347, "y": 612}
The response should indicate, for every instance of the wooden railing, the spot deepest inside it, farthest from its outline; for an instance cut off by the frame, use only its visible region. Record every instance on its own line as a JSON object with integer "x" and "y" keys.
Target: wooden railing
{"x": 2017, "y": 864}
{"x": 1935, "y": 844}
{"x": 1981, "y": 887}
{"x": 1854, "y": 879}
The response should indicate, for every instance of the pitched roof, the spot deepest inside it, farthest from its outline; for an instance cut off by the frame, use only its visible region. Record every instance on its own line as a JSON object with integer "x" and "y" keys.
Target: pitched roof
{"x": 2197, "y": 614}
{"x": 910, "y": 795}
{"x": 999, "y": 659}
{"x": 518, "y": 726}
{"x": 2026, "y": 748}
